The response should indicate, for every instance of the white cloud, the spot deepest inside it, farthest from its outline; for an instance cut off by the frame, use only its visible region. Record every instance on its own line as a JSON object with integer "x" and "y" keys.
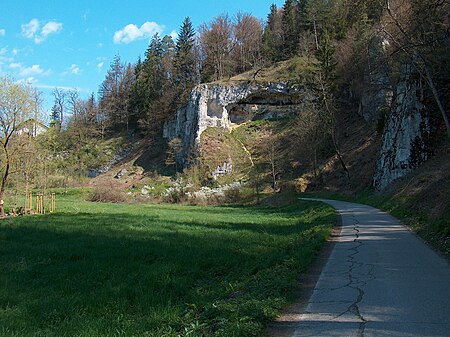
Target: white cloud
{"x": 100, "y": 66}
{"x": 131, "y": 32}
{"x": 51, "y": 87}
{"x": 51, "y": 27}
{"x": 15, "y": 51}
{"x": 3, "y": 51}
{"x": 15, "y": 65}
{"x": 31, "y": 30}
{"x": 29, "y": 80}
{"x": 174, "y": 34}
{"x": 74, "y": 69}
{"x": 2, "y": 32}
{"x": 35, "y": 69}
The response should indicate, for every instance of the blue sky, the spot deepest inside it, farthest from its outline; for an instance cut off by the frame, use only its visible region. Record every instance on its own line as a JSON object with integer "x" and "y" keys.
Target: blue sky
{"x": 70, "y": 44}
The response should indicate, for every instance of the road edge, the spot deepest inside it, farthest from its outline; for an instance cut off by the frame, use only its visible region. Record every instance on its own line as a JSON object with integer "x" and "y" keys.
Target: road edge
{"x": 285, "y": 325}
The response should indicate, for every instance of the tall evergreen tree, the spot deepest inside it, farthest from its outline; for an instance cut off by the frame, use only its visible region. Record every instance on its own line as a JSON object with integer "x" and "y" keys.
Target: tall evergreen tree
{"x": 290, "y": 28}
{"x": 109, "y": 93}
{"x": 271, "y": 35}
{"x": 137, "y": 95}
{"x": 185, "y": 62}
{"x": 55, "y": 117}
{"x": 156, "y": 85}
{"x": 325, "y": 55}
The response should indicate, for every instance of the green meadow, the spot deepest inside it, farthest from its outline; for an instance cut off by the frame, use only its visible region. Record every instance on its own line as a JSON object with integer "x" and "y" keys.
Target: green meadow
{"x": 154, "y": 270}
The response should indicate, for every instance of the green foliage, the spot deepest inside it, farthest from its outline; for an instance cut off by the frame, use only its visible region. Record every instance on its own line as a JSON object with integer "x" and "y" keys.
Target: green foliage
{"x": 219, "y": 146}
{"x": 325, "y": 54}
{"x": 71, "y": 152}
{"x": 184, "y": 60}
{"x": 270, "y": 36}
{"x": 154, "y": 94}
{"x": 290, "y": 28}
{"x": 99, "y": 269}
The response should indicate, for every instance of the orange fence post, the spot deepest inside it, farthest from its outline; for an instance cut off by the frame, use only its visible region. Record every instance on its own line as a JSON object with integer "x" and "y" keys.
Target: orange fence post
{"x": 53, "y": 203}
{"x": 30, "y": 199}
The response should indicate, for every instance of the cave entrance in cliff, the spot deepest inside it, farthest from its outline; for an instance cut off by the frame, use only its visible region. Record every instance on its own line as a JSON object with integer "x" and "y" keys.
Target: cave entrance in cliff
{"x": 214, "y": 109}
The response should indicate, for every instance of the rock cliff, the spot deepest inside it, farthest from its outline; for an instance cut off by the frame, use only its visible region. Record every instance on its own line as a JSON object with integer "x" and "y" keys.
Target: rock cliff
{"x": 222, "y": 105}
{"x": 405, "y": 142}
{"x": 376, "y": 95}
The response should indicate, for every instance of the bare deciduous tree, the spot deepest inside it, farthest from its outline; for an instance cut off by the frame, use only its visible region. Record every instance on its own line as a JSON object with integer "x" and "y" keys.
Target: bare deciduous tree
{"x": 216, "y": 40}
{"x": 60, "y": 97}
{"x": 248, "y": 35}
{"x": 17, "y": 105}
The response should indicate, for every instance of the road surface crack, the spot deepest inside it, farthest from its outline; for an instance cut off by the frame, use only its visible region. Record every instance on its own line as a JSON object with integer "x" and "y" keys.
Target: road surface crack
{"x": 354, "y": 282}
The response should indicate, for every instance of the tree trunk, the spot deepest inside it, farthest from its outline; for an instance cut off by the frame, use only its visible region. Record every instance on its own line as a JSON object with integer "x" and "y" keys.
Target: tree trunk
{"x": 274, "y": 176}
{"x": 437, "y": 99}
{"x": 2, "y": 209}
{"x": 2, "y": 187}
{"x": 315, "y": 35}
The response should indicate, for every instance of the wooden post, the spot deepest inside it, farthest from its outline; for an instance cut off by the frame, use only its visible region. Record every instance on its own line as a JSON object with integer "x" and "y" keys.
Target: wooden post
{"x": 53, "y": 203}
{"x": 40, "y": 203}
{"x": 30, "y": 198}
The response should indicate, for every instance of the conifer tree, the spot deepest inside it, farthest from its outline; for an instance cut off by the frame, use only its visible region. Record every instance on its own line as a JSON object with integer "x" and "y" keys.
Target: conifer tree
{"x": 325, "y": 55}
{"x": 185, "y": 63}
{"x": 55, "y": 119}
{"x": 271, "y": 35}
{"x": 290, "y": 29}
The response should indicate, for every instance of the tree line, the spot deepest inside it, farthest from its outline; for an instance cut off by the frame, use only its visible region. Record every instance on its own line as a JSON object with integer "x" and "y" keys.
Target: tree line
{"x": 141, "y": 97}
{"x": 337, "y": 35}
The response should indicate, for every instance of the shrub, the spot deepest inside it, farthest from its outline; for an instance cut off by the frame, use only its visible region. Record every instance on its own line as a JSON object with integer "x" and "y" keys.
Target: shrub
{"x": 177, "y": 193}
{"x": 108, "y": 194}
{"x": 233, "y": 195}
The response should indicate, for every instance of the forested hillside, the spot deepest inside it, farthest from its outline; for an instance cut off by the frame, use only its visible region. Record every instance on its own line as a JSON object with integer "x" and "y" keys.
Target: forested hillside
{"x": 342, "y": 65}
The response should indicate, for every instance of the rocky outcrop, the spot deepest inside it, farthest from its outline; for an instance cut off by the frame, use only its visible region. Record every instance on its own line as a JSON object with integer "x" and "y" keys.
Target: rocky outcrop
{"x": 405, "y": 142}
{"x": 376, "y": 95}
{"x": 224, "y": 169}
{"x": 222, "y": 105}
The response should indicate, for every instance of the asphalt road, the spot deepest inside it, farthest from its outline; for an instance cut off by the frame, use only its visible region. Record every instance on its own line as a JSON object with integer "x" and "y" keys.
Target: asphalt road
{"x": 380, "y": 280}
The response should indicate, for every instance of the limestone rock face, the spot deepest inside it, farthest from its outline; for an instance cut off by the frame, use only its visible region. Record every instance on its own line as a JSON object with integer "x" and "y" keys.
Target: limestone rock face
{"x": 405, "y": 142}
{"x": 210, "y": 105}
{"x": 376, "y": 96}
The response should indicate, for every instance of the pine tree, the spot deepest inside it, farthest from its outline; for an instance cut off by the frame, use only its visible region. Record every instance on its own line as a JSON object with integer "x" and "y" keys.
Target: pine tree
{"x": 271, "y": 40}
{"x": 325, "y": 55}
{"x": 155, "y": 91}
{"x": 91, "y": 110}
{"x": 137, "y": 95}
{"x": 290, "y": 29}
{"x": 109, "y": 94}
{"x": 55, "y": 119}
{"x": 185, "y": 62}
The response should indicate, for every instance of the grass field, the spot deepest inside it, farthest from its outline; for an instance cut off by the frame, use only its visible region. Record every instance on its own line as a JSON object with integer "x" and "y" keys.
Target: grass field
{"x": 153, "y": 270}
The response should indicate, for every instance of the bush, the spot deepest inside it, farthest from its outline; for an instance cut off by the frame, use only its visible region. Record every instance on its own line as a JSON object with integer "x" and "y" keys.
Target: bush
{"x": 233, "y": 195}
{"x": 108, "y": 194}
{"x": 177, "y": 193}
{"x": 227, "y": 194}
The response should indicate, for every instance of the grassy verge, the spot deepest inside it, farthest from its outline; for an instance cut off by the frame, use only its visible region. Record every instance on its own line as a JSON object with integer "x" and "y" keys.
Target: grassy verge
{"x": 434, "y": 229}
{"x": 153, "y": 270}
